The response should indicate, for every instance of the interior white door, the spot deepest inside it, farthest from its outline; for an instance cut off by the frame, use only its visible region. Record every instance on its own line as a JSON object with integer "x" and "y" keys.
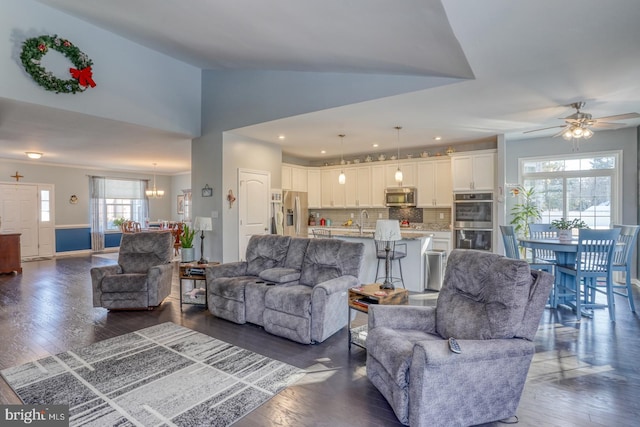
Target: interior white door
{"x": 19, "y": 212}
{"x": 253, "y": 206}
{"x": 46, "y": 231}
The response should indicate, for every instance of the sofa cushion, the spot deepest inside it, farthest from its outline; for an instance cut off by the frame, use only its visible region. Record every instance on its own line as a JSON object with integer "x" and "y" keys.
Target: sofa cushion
{"x": 327, "y": 259}
{"x": 266, "y": 251}
{"x": 295, "y": 254}
{"x": 230, "y": 287}
{"x": 280, "y": 275}
{"x": 485, "y": 296}
{"x": 291, "y": 299}
{"x": 140, "y": 251}
{"x": 124, "y": 283}
{"x": 393, "y": 349}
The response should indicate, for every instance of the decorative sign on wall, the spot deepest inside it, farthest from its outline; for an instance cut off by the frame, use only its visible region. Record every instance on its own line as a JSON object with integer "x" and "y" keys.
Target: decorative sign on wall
{"x": 35, "y": 48}
{"x": 207, "y": 191}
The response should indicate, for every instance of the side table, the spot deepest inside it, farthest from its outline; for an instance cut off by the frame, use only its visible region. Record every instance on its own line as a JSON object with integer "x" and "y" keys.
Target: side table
{"x": 193, "y": 272}
{"x": 360, "y": 299}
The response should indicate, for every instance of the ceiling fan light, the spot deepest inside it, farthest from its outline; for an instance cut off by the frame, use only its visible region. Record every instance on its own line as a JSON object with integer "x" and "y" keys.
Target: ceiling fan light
{"x": 567, "y": 135}
{"x": 577, "y": 132}
{"x": 588, "y": 133}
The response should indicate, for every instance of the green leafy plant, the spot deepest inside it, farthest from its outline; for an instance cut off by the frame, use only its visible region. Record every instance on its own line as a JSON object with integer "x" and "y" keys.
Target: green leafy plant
{"x": 565, "y": 224}
{"x": 186, "y": 238}
{"x": 119, "y": 221}
{"x": 524, "y": 213}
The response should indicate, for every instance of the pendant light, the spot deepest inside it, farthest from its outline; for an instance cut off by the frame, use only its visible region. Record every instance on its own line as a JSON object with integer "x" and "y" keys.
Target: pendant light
{"x": 341, "y": 178}
{"x": 398, "y": 175}
{"x": 154, "y": 193}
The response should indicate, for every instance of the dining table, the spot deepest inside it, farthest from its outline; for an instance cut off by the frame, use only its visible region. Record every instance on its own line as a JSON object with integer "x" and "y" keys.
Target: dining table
{"x": 565, "y": 251}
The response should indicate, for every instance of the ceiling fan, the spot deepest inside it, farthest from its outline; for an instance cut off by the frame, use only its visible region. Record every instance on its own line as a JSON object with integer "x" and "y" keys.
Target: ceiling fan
{"x": 578, "y": 125}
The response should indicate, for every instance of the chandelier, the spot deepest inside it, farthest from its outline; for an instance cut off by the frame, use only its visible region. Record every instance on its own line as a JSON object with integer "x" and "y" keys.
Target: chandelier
{"x": 154, "y": 193}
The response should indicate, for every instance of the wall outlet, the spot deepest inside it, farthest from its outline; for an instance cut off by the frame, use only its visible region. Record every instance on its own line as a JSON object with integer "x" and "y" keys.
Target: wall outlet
{"x": 351, "y": 215}
{"x": 214, "y": 214}
{"x": 380, "y": 215}
{"x": 441, "y": 215}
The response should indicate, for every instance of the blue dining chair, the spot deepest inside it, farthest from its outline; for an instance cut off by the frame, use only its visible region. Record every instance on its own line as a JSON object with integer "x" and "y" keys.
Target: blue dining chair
{"x": 543, "y": 231}
{"x": 594, "y": 260}
{"x": 623, "y": 259}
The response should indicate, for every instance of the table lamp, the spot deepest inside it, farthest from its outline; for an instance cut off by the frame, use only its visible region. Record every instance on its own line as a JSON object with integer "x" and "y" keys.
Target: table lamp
{"x": 387, "y": 230}
{"x": 202, "y": 224}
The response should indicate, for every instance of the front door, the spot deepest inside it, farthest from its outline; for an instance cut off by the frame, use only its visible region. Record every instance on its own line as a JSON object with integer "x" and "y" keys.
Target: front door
{"x": 253, "y": 206}
{"x": 19, "y": 214}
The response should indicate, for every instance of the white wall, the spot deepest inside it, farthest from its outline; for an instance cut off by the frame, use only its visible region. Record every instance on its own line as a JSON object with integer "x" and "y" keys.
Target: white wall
{"x": 134, "y": 84}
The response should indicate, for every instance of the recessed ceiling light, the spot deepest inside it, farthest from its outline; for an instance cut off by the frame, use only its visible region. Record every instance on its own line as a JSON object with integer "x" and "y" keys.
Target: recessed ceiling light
{"x": 280, "y": 136}
{"x": 375, "y": 145}
{"x": 33, "y": 155}
{"x": 323, "y": 152}
{"x": 437, "y": 138}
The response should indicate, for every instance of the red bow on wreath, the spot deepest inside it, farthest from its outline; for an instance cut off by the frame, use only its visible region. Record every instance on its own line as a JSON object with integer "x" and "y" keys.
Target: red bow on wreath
{"x": 83, "y": 76}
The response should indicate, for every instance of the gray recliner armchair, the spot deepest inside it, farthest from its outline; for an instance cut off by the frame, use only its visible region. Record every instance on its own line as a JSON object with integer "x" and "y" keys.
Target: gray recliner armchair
{"x": 142, "y": 277}
{"x": 492, "y": 305}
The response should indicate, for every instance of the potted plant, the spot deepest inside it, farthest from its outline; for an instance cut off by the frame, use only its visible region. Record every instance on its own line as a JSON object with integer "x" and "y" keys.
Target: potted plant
{"x": 565, "y": 227}
{"x": 119, "y": 222}
{"x": 186, "y": 243}
{"x": 524, "y": 213}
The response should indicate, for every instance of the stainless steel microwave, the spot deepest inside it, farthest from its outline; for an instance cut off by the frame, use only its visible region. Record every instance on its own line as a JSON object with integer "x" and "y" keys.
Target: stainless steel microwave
{"x": 402, "y": 197}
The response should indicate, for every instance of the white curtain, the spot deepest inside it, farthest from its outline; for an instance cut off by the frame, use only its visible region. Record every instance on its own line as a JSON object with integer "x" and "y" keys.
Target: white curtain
{"x": 97, "y": 191}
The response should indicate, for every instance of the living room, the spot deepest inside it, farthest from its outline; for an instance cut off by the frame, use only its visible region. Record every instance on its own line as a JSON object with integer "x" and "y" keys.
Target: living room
{"x": 206, "y": 113}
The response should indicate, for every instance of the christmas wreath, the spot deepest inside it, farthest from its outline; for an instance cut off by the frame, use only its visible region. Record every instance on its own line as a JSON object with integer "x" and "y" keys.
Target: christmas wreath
{"x": 35, "y": 48}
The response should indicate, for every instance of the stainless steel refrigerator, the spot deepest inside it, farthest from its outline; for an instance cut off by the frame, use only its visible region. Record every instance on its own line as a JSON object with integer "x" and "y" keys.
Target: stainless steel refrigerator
{"x": 295, "y": 213}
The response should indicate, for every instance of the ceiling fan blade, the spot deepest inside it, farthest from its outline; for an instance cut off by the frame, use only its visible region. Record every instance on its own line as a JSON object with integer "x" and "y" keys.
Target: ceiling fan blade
{"x": 564, "y": 128}
{"x": 605, "y": 125}
{"x": 620, "y": 117}
{"x": 537, "y": 130}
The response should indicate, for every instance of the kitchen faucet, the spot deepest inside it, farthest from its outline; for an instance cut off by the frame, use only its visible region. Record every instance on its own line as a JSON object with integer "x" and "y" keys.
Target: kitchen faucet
{"x": 363, "y": 214}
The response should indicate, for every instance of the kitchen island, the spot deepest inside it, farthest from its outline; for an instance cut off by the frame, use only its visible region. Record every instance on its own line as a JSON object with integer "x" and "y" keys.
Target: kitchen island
{"x": 413, "y": 265}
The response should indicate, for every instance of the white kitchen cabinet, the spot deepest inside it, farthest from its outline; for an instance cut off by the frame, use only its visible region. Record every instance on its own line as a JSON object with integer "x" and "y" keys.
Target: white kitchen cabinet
{"x": 299, "y": 179}
{"x": 314, "y": 188}
{"x": 442, "y": 241}
{"x": 358, "y": 187}
{"x": 408, "y": 174}
{"x": 378, "y": 184}
{"x": 333, "y": 194}
{"x": 286, "y": 177}
{"x": 434, "y": 184}
{"x": 473, "y": 172}
{"x": 294, "y": 178}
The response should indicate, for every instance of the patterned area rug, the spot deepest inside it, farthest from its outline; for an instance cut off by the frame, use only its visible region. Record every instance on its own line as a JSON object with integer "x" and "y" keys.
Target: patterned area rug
{"x": 162, "y": 375}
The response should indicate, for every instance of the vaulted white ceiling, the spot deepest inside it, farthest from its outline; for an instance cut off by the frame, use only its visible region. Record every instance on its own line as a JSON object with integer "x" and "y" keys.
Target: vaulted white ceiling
{"x": 521, "y": 64}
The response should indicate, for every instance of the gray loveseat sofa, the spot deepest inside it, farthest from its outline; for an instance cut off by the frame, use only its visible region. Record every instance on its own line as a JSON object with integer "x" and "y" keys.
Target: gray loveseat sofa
{"x": 293, "y": 287}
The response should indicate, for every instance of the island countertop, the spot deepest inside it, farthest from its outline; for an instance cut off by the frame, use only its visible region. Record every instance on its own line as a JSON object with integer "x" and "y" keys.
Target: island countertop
{"x": 368, "y": 233}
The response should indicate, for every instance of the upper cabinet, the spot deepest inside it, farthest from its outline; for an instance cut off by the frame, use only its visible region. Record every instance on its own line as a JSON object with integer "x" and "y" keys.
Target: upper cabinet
{"x": 294, "y": 178}
{"x": 473, "y": 172}
{"x": 434, "y": 183}
{"x": 333, "y": 194}
{"x": 408, "y": 169}
{"x": 357, "y": 186}
{"x": 314, "y": 188}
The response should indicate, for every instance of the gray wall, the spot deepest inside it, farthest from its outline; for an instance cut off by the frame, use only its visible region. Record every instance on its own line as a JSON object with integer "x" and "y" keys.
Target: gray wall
{"x": 134, "y": 84}
{"x": 234, "y": 99}
{"x": 70, "y": 180}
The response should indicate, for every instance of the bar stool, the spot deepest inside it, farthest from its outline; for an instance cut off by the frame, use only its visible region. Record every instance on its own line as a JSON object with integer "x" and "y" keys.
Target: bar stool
{"x": 397, "y": 251}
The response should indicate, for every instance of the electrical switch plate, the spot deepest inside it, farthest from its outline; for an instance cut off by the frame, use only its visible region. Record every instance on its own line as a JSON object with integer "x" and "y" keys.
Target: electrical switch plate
{"x": 441, "y": 215}
{"x": 214, "y": 214}
{"x": 351, "y": 215}
{"x": 379, "y": 215}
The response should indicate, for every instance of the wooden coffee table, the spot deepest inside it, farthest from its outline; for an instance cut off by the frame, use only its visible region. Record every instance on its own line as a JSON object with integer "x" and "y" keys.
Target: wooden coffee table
{"x": 360, "y": 299}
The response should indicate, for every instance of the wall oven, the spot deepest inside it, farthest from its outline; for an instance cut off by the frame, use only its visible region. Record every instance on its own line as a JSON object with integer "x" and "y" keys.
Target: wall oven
{"x": 473, "y": 221}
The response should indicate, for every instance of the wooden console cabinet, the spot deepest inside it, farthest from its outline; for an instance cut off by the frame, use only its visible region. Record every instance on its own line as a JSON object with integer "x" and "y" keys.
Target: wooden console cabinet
{"x": 10, "y": 253}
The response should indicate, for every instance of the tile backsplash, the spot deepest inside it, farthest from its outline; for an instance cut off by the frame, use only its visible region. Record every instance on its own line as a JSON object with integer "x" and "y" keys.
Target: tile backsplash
{"x": 428, "y": 217}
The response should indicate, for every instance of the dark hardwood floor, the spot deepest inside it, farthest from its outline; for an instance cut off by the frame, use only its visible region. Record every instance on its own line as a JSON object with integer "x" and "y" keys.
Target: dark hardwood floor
{"x": 584, "y": 373}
